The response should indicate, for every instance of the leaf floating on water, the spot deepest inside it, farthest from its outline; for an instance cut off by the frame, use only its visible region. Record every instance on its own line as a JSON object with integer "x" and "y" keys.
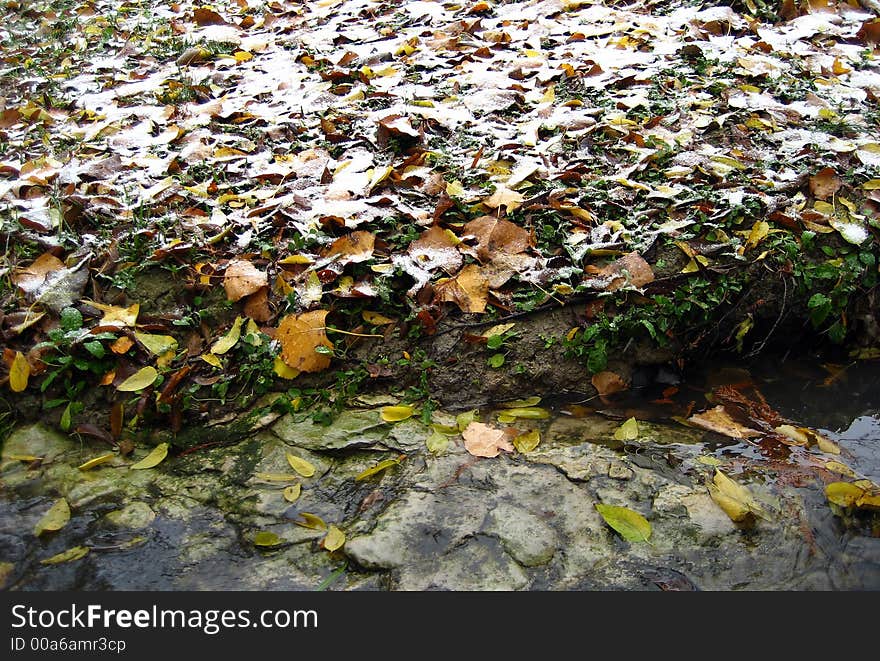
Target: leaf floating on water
{"x": 826, "y": 444}
{"x": 484, "y": 441}
{"x": 141, "y": 379}
{"x": 378, "y": 468}
{"x": 844, "y": 494}
{"x": 312, "y": 521}
{"x": 628, "y": 431}
{"x": 96, "y": 461}
{"x": 334, "y": 540}
{"x": 69, "y": 555}
{"x": 300, "y": 465}
{"x": 794, "y": 434}
{"x": 19, "y": 373}
{"x": 719, "y": 421}
{"x": 396, "y": 413}
{"x": 267, "y": 538}
{"x": 841, "y": 469}
{"x": 156, "y": 457}
{"x": 632, "y": 526}
{"x": 55, "y": 519}
{"x": 736, "y": 500}
{"x": 292, "y": 493}
{"x": 528, "y": 402}
{"x": 528, "y": 441}
{"x": 229, "y": 340}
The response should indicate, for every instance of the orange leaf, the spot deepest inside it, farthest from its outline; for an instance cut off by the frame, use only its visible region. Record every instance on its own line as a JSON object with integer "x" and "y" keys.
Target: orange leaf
{"x": 484, "y": 441}
{"x": 122, "y": 345}
{"x": 825, "y": 183}
{"x": 352, "y": 248}
{"x": 469, "y": 290}
{"x": 242, "y": 279}
{"x": 608, "y": 383}
{"x": 300, "y": 335}
{"x": 496, "y": 235}
{"x": 31, "y": 277}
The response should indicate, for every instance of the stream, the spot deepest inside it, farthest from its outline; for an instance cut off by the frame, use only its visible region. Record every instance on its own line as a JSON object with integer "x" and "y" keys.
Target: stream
{"x": 452, "y": 521}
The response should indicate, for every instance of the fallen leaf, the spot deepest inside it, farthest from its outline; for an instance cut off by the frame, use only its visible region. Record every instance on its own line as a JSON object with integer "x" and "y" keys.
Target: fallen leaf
{"x": 267, "y": 538}
{"x": 300, "y": 465}
{"x": 719, "y": 421}
{"x": 352, "y": 248}
{"x": 301, "y": 335}
{"x": 608, "y": 383}
{"x": 141, "y": 379}
{"x": 632, "y": 526}
{"x": 114, "y": 315}
{"x": 844, "y": 494}
{"x": 481, "y": 440}
{"x": 527, "y": 442}
{"x": 437, "y": 443}
{"x": 291, "y": 494}
{"x": 628, "y": 431}
{"x": 55, "y": 519}
{"x": 71, "y": 554}
{"x": 204, "y": 16}
{"x": 841, "y": 469}
{"x": 462, "y": 420}
{"x": 309, "y": 520}
{"x": 30, "y": 278}
{"x": 469, "y": 289}
{"x": 504, "y": 197}
{"x": 496, "y": 235}
{"x": 735, "y": 499}
{"x": 631, "y": 270}
{"x": 242, "y": 279}
{"x": 97, "y": 461}
{"x": 334, "y": 540}
{"x": 396, "y": 413}
{"x": 282, "y": 369}
{"x": 156, "y": 457}
{"x": 157, "y": 345}
{"x": 825, "y": 183}
{"x": 19, "y": 373}
{"x": 528, "y": 413}
{"x": 378, "y": 468}
{"x": 229, "y": 340}
{"x": 277, "y": 477}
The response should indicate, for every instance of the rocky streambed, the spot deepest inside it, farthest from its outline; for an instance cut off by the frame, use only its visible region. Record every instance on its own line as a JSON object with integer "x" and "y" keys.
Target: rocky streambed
{"x": 427, "y": 520}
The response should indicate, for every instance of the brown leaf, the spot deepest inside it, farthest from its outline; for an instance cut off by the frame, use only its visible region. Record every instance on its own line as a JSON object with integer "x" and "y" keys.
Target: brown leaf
{"x": 204, "y": 16}
{"x": 719, "y": 421}
{"x": 300, "y": 335}
{"x": 352, "y": 248}
{"x": 608, "y": 383}
{"x": 504, "y": 197}
{"x": 30, "y": 278}
{"x": 469, "y": 290}
{"x": 631, "y": 269}
{"x": 256, "y": 306}
{"x": 825, "y": 183}
{"x": 436, "y": 249}
{"x": 484, "y": 441}
{"x": 497, "y": 235}
{"x": 242, "y": 279}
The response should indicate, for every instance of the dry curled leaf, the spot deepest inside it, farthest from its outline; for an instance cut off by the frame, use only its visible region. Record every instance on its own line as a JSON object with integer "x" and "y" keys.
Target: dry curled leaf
{"x": 719, "y": 421}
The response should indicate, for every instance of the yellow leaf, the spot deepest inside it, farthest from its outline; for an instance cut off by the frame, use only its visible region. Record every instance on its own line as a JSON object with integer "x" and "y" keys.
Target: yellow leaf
{"x": 840, "y": 468}
{"x": 375, "y": 318}
{"x": 157, "y": 344}
{"x": 873, "y": 184}
{"x": 528, "y": 402}
{"x": 116, "y": 316}
{"x": 396, "y": 413}
{"x": 69, "y": 555}
{"x": 378, "y": 468}
{"x": 304, "y": 343}
{"x": 500, "y": 329}
{"x": 795, "y": 434}
{"x": 242, "y": 56}
{"x": 291, "y": 493}
{"x": 628, "y": 431}
{"x": 282, "y": 369}
{"x": 505, "y": 418}
{"x": 19, "y": 373}
{"x": 277, "y": 477}
{"x": 312, "y": 521}
{"x": 843, "y": 494}
{"x": 334, "y": 540}
{"x": 632, "y": 526}
{"x": 141, "y": 379}
{"x": 528, "y": 441}
{"x": 96, "y": 461}
{"x": 826, "y": 444}
{"x": 229, "y": 340}
{"x": 462, "y": 420}
{"x": 55, "y": 519}
{"x": 708, "y": 460}
{"x": 735, "y": 499}
{"x": 528, "y": 413}
{"x": 266, "y": 538}
{"x": 212, "y": 360}
{"x": 156, "y": 457}
{"x": 437, "y": 442}
{"x": 759, "y": 231}
{"x": 300, "y": 465}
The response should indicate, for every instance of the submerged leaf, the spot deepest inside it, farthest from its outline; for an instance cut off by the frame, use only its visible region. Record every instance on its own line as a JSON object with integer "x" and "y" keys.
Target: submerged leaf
{"x": 528, "y": 441}
{"x": 462, "y": 420}
{"x": 632, "y": 526}
{"x": 55, "y": 519}
{"x": 156, "y": 457}
{"x": 437, "y": 443}
{"x": 844, "y": 494}
{"x": 277, "y": 477}
{"x": 528, "y": 413}
{"x": 69, "y": 555}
